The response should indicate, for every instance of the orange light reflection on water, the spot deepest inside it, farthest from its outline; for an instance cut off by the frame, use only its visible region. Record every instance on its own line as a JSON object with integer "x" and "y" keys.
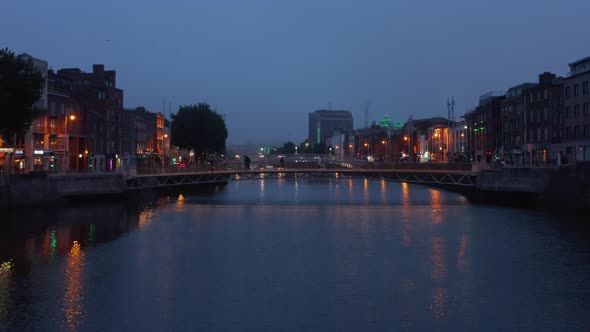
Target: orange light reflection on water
{"x": 73, "y": 298}
{"x": 405, "y": 194}
{"x": 6, "y": 269}
{"x": 440, "y": 299}
{"x": 438, "y": 261}
{"x": 436, "y": 207}
{"x": 462, "y": 252}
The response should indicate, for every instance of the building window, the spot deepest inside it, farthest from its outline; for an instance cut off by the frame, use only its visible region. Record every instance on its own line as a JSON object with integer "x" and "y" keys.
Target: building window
{"x": 567, "y": 92}
{"x": 545, "y": 93}
{"x": 567, "y": 112}
{"x": 586, "y": 130}
{"x": 546, "y": 116}
{"x": 576, "y": 131}
{"x": 586, "y": 111}
{"x": 576, "y": 89}
{"x": 546, "y": 133}
{"x": 52, "y": 109}
{"x": 585, "y": 88}
{"x": 576, "y": 111}
{"x": 568, "y": 132}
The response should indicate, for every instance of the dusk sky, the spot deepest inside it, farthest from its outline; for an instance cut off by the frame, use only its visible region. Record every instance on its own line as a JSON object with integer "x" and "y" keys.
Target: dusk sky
{"x": 266, "y": 63}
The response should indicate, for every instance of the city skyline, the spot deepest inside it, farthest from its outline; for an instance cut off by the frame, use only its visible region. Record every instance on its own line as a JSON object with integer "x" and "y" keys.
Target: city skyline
{"x": 266, "y": 65}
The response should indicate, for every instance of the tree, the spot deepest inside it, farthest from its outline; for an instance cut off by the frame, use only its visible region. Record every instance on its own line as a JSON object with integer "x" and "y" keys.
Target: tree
{"x": 21, "y": 86}
{"x": 200, "y": 128}
{"x": 289, "y": 147}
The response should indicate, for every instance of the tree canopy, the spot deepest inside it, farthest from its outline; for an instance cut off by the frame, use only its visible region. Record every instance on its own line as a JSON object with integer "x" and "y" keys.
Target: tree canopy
{"x": 21, "y": 86}
{"x": 200, "y": 128}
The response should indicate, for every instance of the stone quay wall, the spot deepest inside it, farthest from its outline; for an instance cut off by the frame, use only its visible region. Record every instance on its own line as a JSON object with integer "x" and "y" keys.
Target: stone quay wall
{"x": 33, "y": 189}
{"x": 557, "y": 186}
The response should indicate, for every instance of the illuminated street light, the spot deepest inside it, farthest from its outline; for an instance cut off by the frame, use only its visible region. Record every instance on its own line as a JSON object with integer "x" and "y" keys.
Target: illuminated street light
{"x": 72, "y": 117}
{"x": 366, "y": 144}
{"x": 405, "y": 138}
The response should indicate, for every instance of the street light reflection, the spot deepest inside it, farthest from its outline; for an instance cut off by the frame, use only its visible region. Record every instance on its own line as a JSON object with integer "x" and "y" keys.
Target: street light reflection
{"x": 405, "y": 194}
{"x": 439, "y": 266}
{"x": 440, "y": 299}
{"x": 435, "y": 204}
{"x": 6, "y": 269}
{"x": 180, "y": 200}
{"x": 73, "y": 305}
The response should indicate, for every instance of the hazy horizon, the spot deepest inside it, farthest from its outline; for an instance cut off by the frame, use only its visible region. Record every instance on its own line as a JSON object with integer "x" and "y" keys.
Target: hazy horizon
{"x": 266, "y": 64}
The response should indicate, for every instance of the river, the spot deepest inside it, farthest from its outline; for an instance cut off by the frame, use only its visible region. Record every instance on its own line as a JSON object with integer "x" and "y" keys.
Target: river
{"x": 295, "y": 255}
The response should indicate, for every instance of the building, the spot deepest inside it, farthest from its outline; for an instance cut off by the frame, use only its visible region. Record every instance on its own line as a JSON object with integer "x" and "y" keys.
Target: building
{"x": 513, "y": 110}
{"x": 484, "y": 128}
{"x": 337, "y": 144}
{"x": 576, "y": 120}
{"x": 371, "y": 143}
{"x": 143, "y": 138}
{"x": 323, "y": 123}
{"x": 426, "y": 140}
{"x": 65, "y": 119}
{"x": 32, "y": 151}
{"x": 458, "y": 147}
{"x": 101, "y": 107}
{"x": 542, "y": 124}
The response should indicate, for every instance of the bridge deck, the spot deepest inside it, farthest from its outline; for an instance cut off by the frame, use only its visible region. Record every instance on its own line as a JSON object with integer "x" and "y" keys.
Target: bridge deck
{"x": 425, "y": 176}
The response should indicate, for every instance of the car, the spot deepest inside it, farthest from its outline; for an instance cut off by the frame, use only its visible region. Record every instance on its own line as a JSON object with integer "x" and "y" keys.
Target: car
{"x": 181, "y": 165}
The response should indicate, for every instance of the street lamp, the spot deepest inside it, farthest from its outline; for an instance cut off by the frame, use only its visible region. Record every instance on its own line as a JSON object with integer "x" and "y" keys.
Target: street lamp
{"x": 72, "y": 117}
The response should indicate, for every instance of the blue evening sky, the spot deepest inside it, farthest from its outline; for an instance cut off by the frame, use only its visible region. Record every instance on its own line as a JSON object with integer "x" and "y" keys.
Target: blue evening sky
{"x": 266, "y": 63}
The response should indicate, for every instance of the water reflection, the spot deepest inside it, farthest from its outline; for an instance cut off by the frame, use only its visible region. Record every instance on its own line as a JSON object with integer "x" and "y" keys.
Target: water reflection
{"x": 180, "y": 200}
{"x": 438, "y": 258}
{"x": 49, "y": 244}
{"x": 464, "y": 243}
{"x": 436, "y": 206}
{"x": 6, "y": 269}
{"x": 440, "y": 299}
{"x": 405, "y": 194}
{"x": 267, "y": 264}
{"x": 73, "y": 305}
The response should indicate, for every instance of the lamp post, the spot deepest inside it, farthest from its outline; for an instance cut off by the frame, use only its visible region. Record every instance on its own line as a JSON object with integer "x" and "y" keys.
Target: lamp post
{"x": 72, "y": 117}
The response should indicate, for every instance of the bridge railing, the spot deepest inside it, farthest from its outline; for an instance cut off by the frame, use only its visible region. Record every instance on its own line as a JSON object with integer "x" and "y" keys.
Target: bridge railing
{"x": 306, "y": 164}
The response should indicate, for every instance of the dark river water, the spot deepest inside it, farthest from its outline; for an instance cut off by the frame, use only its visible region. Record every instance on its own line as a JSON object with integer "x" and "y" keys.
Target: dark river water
{"x": 286, "y": 255}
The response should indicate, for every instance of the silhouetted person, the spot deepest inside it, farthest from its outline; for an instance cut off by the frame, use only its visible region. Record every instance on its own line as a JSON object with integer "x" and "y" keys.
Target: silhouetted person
{"x": 212, "y": 163}
{"x": 247, "y": 163}
{"x": 282, "y": 162}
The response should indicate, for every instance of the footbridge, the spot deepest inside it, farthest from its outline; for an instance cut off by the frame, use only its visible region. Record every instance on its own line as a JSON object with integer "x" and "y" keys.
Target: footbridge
{"x": 451, "y": 175}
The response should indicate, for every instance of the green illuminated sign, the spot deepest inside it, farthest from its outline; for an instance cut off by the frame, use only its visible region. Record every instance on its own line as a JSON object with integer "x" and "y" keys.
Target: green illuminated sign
{"x": 319, "y": 137}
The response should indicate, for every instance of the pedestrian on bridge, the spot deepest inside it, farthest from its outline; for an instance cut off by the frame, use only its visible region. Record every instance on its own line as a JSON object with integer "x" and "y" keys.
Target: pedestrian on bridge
{"x": 246, "y": 163}
{"x": 282, "y": 162}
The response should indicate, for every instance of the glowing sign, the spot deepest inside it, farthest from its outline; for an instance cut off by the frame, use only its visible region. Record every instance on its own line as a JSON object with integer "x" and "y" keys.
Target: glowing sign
{"x": 319, "y": 137}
